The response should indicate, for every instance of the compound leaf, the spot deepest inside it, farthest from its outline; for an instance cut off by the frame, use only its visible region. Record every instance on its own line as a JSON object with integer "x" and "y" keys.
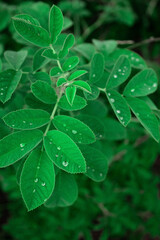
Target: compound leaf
{"x": 70, "y": 94}
{"x": 97, "y": 67}
{"x": 16, "y": 145}
{"x": 38, "y": 60}
{"x": 69, "y": 42}
{"x": 70, "y": 63}
{"x": 120, "y": 106}
{"x": 64, "y": 152}
{"x": 15, "y": 58}
{"x": 74, "y": 128}
{"x": 97, "y": 165}
{"x": 145, "y": 116}
{"x": 78, "y": 103}
{"x": 65, "y": 192}
{"x": 120, "y": 72}
{"x": 37, "y": 179}
{"x": 76, "y": 74}
{"x": 55, "y": 22}
{"x": 142, "y": 84}
{"x": 44, "y": 92}
{"x": 9, "y": 80}
{"x": 83, "y": 85}
{"x": 30, "y": 31}
{"x": 27, "y": 119}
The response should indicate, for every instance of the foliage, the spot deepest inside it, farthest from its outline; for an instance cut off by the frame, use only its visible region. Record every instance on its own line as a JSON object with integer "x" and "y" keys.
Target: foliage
{"x": 70, "y": 111}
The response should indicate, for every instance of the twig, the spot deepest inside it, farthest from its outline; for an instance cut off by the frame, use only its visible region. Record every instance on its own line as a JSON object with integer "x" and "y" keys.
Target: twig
{"x": 146, "y": 41}
{"x": 123, "y": 42}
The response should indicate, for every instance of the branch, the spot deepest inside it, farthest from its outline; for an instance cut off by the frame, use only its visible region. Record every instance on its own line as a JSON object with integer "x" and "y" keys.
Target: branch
{"x": 146, "y": 41}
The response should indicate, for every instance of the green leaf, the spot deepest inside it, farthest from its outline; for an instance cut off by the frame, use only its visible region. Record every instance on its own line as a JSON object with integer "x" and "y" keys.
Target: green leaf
{"x": 9, "y": 80}
{"x": 114, "y": 130}
{"x": 145, "y": 116}
{"x": 0, "y": 65}
{"x": 120, "y": 72}
{"x": 44, "y": 92}
{"x": 15, "y": 58}
{"x": 78, "y": 103}
{"x": 70, "y": 94}
{"x": 142, "y": 84}
{"x": 120, "y": 106}
{"x": 42, "y": 76}
{"x": 67, "y": 23}
{"x": 87, "y": 50}
{"x": 83, "y": 85}
{"x": 97, "y": 165}
{"x": 77, "y": 130}
{"x": 70, "y": 63}
{"x": 55, "y": 22}
{"x": 94, "y": 123}
{"x": 68, "y": 43}
{"x": 106, "y": 47}
{"x": 64, "y": 152}
{"x": 16, "y": 145}
{"x": 37, "y": 179}
{"x": 38, "y": 60}
{"x": 55, "y": 72}
{"x": 94, "y": 94}
{"x": 31, "y": 31}
{"x": 135, "y": 59}
{"x": 65, "y": 192}
{"x": 61, "y": 81}
{"x": 48, "y": 53}
{"x": 27, "y": 119}
{"x": 97, "y": 68}
{"x": 76, "y": 74}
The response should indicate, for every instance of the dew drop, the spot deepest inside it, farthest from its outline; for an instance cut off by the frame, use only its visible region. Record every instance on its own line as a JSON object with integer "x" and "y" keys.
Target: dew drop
{"x": 118, "y": 111}
{"x": 100, "y": 136}
{"x": 34, "y": 190}
{"x": 155, "y": 85}
{"x": 43, "y": 184}
{"x": 24, "y": 121}
{"x": 119, "y": 70}
{"x": 137, "y": 60}
{"x": 38, "y": 167}
{"x": 22, "y": 144}
{"x": 101, "y": 174}
{"x": 79, "y": 142}
{"x": 132, "y": 90}
{"x": 121, "y": 118}
{"x": 88, "y": 167}
{"x": 13, "y": 125}
{"x": 31, "y": 124}
{"x": 1, "y": 93}
{"x": 70, "y": 66}
{"x": 36, "y": 180}
{"x": 115, "y": 76}
{"x": 2, "y": 89}
{"x": 93, "y": 75}
{"x": 109, "y": 94}
{"x": 56, "y": 155}
{"x": 74, "y": 131}
{"x": 65, "y": 164}
{"x": 59, "y": 148}
{"x": 112, "y": 100}
{"x": 50, "y": 142}
{"x": 93, "y": 170}
{"x": 22, "y": 149}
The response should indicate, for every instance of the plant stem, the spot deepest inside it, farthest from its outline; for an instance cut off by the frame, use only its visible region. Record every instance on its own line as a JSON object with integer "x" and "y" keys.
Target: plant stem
{"x": 58, "y": 62}
{"x": 146, "y": 41}
{"x": 53, "y": 112}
